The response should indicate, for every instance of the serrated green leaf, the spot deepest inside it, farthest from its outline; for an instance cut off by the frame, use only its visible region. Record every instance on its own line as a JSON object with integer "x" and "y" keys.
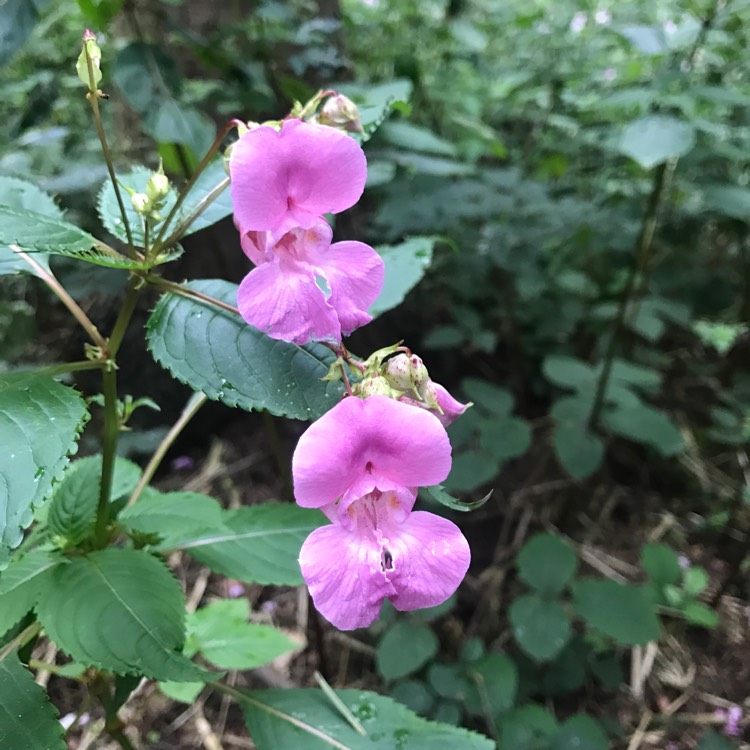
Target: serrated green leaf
{"x": 580, "y": 733}
{"x": 579, "y": 450}
{"x": 493, "y": 684}
{"x": 405, "y": 648}
{"x": 28, "y": 721}
{"x": 258, "y": 543}
{"x": 21, "y": 584}
{"x": 376, "y": 102}
{"x": 17, "y": 193}
{"x": 39, "y": 423}
{"x": 221, "y": 632}
{"x": 120, "y": 610}
{"x": 622, "y": 612}
{"x": 306, "y": 718}
{"x": 547, "y": 564}
{"x": 405, "y": 265}
{"x": 654, "y": 139}
{"x": 185, "y": 692}
{"x": 541, "y": 628}
{"x": 72, "y": 509}
{"x": 216, "y": 352}
{"x": 212, "y": 177}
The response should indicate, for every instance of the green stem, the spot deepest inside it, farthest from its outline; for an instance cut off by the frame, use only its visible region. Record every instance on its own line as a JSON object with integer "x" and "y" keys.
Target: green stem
{"x": 85, "y": 364}
{"x": 184, "y": 291}
{"x": 123, "y": 319}
{"x": 200, "y": 207}
{"x": 191, "y": 409}
{"x": 641, "y": 253}
{"x": 24, "y": 637}
{"x": 159, "y": 242}
{"x": 93, "y": 97}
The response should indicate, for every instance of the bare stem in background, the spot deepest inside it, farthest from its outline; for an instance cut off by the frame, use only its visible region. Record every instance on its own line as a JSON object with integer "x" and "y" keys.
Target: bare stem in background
{"x": 184, "y": 291}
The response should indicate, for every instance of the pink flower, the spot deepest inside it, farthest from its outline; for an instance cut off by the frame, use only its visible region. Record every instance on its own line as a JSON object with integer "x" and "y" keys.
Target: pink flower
{"x": 289, "y": 178}
{"x": 305, "y": 288}
{"x": 450, "y": 409}
{"x": 361, "y": 464}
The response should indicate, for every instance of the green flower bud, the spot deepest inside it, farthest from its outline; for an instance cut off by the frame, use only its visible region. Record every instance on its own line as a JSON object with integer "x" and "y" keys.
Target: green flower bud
{"x": 407, "y": 373}
{"x": 91, "y": 51}
{"x": 341, "y": 112}
{"x": 158, "y": 186}
{"x": 141, "y": 203}
{"x": 375, "y": 385}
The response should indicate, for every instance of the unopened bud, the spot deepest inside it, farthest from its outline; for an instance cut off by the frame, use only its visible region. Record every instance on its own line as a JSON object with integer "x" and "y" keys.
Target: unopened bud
{"x": 92, "y": 53}
{"x": 407, "y": 373}
{"x": 340, "y": 111}
{"x": 157, "y": 186}
{"x": 376, "y": 385}
{"x": 141, "y": 203}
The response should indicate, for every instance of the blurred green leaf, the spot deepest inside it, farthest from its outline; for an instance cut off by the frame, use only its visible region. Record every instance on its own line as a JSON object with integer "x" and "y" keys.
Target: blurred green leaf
{"x": 541, "y": 627}
{"x": 404, "y": 649}
{"x": 655, "y": 139}
{"x": 547, "y": 564}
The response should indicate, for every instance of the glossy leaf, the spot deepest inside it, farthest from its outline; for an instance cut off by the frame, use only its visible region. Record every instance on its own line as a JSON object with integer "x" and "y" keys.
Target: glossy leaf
{"x": 216, "y": 352}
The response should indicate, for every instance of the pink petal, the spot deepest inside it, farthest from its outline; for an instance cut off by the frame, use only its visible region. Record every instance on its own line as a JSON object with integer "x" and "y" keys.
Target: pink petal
{"x": 290, "y": 178}
{"x": 452, "y": 409}
{"x": 430, "y": 559}
{"x": 345, "y": 576}
{"x": 363, "y": 444}
{"x": 282, "y": 299}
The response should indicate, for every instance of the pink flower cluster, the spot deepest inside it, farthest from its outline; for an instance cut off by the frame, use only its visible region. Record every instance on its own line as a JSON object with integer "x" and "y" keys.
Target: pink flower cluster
{"x": 362, "y": 462}
{"x": 303, "y": 287}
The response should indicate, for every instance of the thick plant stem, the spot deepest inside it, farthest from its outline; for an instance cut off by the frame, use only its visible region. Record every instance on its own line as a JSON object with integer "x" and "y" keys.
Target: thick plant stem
{"x": 58, "y": 290}
{"x": 123, "y": 319}
{"x": 184, "y": 291}
{"x": 641, "y": 254}
{"x": 191, "y": 409}
{"x": 93, "y": 97}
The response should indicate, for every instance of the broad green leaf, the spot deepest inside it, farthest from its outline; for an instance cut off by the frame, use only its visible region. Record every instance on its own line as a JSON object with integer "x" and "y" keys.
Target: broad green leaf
{"x": 579, "y": 450}
{"x": 547, "y": 564}
{"x": 17, "y": 193}
{"x": 416, "y": 138}
{"x": 527, "y": 728}
{"x": 647, "y": 425}
{"x": 120, "y": 610}
{"x": 695, "y": 581}
{"x": 257, "y": 543}
{"x": 541, "y": 628}
{"x": 222, "y": 634}
{"x": 649, "y": 40}
{"x": 438, "y": 494}
{"x": 568, "y": 372}
{"x": 216, "y": 352}
{"x": 405, "y": 265}
{"x": 405, "y": 648}
{"x": 413, "y": 694}
{"x": 437, "y": 166}
{"x": 184, "y": 692}
{"x": 504, "y": 438}
{"x": 21, "y": 584}
{"x": 697, "y": 613}
{"x": 449, "y": 680}
{"x": 654, "y": 139}
{"x": 580, "y": 733}
{"x": 146, "y": 74}
{"x": 306, "y": 718}
{"x": 661, "y": 564}
{"x": 109, "y": 210}
{"x": 28, "y": 721}
{"x": 714, "y": 741}
{"x": 488, "y": 396}
{"x": 168, "y": 121}
{"x": 376, "y": 102}
{"x": 39, "y": 424}
{"x": 17, "y": 20}
{"x": 493, "y": 684}
{"x": 72, "y": 509}
{"x": 471, "y": 469}
{"x": 101, "y": 12}
{"x": 211, "y": 178}
{"x": 623, "y": 612}
{"x": 728, "y": 200}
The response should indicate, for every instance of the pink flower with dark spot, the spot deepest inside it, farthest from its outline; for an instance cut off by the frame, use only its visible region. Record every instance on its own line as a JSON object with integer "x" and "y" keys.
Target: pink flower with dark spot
{"x": 361, "y": 464}
{"x": 304, "y": 288}
{"x": 290, "y": 178}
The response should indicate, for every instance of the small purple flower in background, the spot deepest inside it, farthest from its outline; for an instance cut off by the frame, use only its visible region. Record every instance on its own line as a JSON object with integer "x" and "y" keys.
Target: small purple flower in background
{"x": 609, "y": 74}
{"x": 734, "y": 716}
{"x": 289, "y": 178}
{"x": 578, "y": 24}
{"x": 670, "y": 27}
{"x": 361, "y": 464}
{"x": 602, "y": 17}
{"x": 304, "y": 288}
{"x": 183, "y": 463}
{"x": 235, "y": 590}
{"x": 684, "y": 562}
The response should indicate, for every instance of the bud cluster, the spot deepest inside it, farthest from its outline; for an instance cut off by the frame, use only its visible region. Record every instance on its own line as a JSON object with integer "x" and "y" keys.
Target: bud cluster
{"x": 151, "y": 203}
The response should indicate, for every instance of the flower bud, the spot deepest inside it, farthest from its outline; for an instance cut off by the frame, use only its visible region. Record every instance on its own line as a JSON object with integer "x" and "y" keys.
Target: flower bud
{"x": 158, "y": 186}
{"x": 375, "y": 385}
{"x": 341, "y": 112}
{"x": 407, "y": 373}
{"x": 91, "y": 51}
{"x": 141, "y": 203}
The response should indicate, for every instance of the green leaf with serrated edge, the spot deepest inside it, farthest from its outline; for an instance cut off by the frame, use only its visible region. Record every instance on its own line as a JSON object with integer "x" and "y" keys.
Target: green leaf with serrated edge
{"x": 184, "y": 692}
{"x": 222, "y": 634}
{"x": 405, "y": 648}
{"x": 28, "y": 721}
{"x": 580, "y": 733}
{"x": 109, "y": 211}
{"x": 438, "y": 494}
{"x": 661, "y": 563}
{"x": 541, "y": 628}
{"x": 622, "y": 612}
{"x": 210, "y": 179}
{"x": 306, "y": 718}
{"x": 170, "y": 513}
{"x": 654, "y": 139}
{"x": 493, "y": 684}
{"x": 405, "y": 265}
{"x": 17, "y": 193}
{"x": 39, "y": 424}
{"x": 120, "y": 610}
{"x": 547, "y": 564}
{"x": 216, "y": 352}
{"x": 579, "y": 451}
{"x": 72, "y": 509}
{"x": 375, "y": 102}
{"x": 21, "y": 584}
